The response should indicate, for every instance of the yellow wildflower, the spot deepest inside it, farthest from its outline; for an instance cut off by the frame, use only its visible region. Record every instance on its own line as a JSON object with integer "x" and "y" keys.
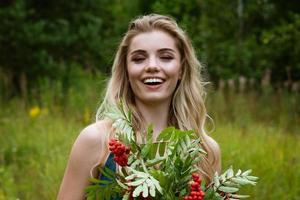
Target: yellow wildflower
{"x": 34, "y": 111}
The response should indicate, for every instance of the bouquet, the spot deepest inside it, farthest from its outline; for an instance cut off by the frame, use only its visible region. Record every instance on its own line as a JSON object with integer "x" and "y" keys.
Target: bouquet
{"x": 165, "y": 169}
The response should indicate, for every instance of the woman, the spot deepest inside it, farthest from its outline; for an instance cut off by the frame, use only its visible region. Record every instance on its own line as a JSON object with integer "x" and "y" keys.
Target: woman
{"x": 157, "y": 76}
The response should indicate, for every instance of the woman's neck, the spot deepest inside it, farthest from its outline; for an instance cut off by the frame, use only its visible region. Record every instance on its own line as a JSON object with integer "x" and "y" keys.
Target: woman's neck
{"x": 156, "y": 114}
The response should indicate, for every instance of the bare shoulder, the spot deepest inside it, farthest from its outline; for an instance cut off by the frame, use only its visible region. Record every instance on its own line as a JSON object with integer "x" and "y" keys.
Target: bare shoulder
{"x": 94, "y": 134}
{"x": 90, "y": 144}
{"x": 96, "y": 130}
{"x": 89, "y": 149}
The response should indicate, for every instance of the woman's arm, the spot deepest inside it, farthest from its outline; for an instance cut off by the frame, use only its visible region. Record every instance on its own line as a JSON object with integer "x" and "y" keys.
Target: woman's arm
{"x": 87, "y": 151}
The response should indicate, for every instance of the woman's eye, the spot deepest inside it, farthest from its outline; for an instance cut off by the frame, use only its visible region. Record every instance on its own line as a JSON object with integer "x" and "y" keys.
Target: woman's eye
{"x": 166, "y": 58}
{"x": 138, "y": 60}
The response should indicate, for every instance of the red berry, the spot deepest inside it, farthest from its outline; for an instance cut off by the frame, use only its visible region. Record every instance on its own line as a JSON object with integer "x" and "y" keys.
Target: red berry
{"x": 120, "y": 152}
{"x": 195, "y": 175}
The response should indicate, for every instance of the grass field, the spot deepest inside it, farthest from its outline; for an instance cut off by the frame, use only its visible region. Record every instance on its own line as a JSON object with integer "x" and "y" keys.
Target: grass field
{"x": 257, "y": 131}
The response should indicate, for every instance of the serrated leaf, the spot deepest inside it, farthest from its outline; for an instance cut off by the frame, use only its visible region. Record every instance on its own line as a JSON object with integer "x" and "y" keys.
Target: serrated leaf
{"x": 196, "y": 160}
{"x": 166, "y": 134}
{"x": 162, "y": 148}
{"x": 146, "y": 150}
{"x": 126, "y": 196}
{"x": 145, "y": 190}
{"x": 122, "y": 184}
{"x": 246, "y": 173}
{"x": 216, "y": 180}
{"x": 230, "y": 184}
{"x": 252, "y": 178}
{"x": 137, "y": 191}
{"x": 153, "y": 150}
{"x": 107, "y": 172}
{"x": 228, "y": 189}
{"x": 155, "y": 161}
{"x": 230, "y": 173}
{"x": 96, "y": 181}
{"x": 242, "y": 181}
{"x": 187, "y": 140}
{"x": 152, "y": 191}
{"x": 156, "y": 183}
{"x": 238, "y": 173}
{"x": 209, "y": 194}
{"x": 150, "y": 133}
{"x": 136, "y": 183}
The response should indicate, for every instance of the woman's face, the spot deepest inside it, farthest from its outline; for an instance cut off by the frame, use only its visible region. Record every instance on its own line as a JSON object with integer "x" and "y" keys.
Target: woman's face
{"x": 153, "y": 66}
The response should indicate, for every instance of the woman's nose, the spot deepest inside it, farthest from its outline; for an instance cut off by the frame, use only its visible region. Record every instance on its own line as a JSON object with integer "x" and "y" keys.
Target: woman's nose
{"x": 153, "y": 65}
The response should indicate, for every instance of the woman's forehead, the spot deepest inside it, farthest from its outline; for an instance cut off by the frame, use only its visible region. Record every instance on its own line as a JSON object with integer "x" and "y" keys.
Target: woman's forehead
{"x": 152, "y": 41}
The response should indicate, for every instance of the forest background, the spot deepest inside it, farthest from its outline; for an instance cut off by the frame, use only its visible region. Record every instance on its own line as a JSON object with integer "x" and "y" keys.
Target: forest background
{"x": 56, "y": 56}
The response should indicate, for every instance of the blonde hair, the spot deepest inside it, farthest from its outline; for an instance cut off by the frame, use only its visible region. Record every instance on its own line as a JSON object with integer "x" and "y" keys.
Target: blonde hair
{"x": 187, "y": 109}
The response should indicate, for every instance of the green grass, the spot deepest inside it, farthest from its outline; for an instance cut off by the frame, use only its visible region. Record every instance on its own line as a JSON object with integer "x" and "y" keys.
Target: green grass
{"x": 257, "y": 131}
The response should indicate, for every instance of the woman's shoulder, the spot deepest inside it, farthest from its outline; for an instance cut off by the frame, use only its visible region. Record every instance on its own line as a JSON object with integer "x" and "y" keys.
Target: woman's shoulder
{"x": 90, "y": 145}
{"x": 88, "y": 151}
{"x": 95, "y": 133}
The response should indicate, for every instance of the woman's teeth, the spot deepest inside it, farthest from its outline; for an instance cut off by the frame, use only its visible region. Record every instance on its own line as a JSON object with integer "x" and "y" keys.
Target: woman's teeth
{"x": 153, "y": 81}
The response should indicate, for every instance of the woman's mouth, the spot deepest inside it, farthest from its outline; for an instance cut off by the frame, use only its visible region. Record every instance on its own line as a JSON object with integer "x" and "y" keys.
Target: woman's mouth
{"x": 153, "y": 83}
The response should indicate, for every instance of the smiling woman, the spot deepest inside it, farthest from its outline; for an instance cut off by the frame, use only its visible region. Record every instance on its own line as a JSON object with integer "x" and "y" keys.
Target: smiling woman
{"x": 156, "y": 75}
{"x": 153, "y": 69}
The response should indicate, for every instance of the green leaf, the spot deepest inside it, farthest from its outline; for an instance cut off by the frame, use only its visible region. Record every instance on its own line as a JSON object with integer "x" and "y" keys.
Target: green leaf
{"x": 145, "y": 150}
{"x": 137, "y": 191}
{"x": 150, "y": 133}
{"x": 153, "y": 150}
{"x": 152, "y": 191}
{"x": 136, "y": 183}
{"x": 209, "y": 194}
{"x": 239, "y": 172}
{"x": 228, "y": 189}
{"x": 122, "y": 185}
{"x": 246, "y": 173}
{"x": 162, "y": 148}
{"x": 145, "y": 190}
{"x": 155, "y": 161}
{"x": 166, "y": 134}
{"x": 230, "y": 173}
{"x": 230, "y": 184}
{"x": 126, "y": 196}
{"x": 216, "y": 180}
{"x": 252, "y": 178}
{"x": 243, "y": 181}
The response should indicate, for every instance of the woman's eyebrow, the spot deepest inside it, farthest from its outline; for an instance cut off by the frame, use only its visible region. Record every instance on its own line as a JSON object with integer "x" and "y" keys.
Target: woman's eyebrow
{"x": 166, "y": 49}
{"x": 137, "y": 51}
{"x": 143, "y": 51}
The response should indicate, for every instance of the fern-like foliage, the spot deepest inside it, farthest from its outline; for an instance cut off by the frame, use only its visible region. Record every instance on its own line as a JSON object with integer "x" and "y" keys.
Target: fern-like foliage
{"x": 161, "y": 169}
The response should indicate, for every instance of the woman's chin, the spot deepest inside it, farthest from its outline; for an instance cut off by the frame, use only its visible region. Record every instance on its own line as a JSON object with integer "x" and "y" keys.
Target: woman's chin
{"x": 155, "y": 99}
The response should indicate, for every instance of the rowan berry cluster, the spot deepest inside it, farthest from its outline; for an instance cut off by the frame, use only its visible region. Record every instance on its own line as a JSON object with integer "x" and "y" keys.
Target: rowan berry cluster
{"x": 196, "y": 192}
{"x": 120, "y": 152}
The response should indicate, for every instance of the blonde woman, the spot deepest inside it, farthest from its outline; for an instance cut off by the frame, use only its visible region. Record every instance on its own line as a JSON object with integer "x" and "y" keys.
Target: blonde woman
{"x": 157, "y": 76}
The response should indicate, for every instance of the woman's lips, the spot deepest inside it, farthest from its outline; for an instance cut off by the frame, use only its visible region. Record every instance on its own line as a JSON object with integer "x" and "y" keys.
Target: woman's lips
{"x": 153, "y": 87}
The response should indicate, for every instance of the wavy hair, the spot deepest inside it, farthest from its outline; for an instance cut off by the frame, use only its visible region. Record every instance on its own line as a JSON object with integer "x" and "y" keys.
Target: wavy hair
{"x": 187, "y": 109}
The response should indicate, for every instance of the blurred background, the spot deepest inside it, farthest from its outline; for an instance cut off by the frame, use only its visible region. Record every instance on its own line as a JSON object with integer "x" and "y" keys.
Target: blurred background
{"x": 56, "y": 56}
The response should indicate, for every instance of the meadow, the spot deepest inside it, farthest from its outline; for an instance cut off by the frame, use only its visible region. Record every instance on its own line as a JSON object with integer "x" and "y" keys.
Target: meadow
{"x": 257, "y": 130}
